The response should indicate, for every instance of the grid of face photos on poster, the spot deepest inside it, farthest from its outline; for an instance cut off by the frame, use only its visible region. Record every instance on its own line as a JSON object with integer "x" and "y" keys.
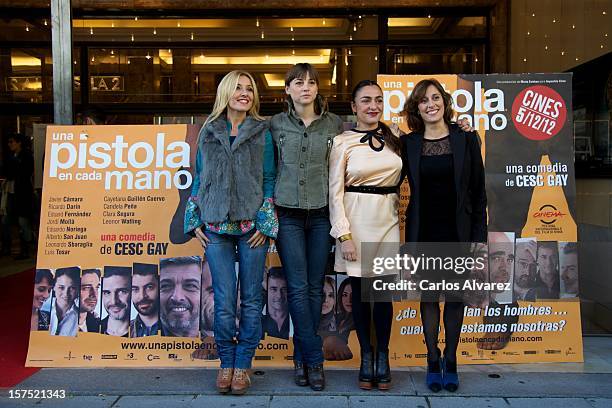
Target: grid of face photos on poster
{"x": 535, "y": 270}
{"x": 138, "y": 301}
{"x": 174, "y": 298}
{"x": 336, "y": 320}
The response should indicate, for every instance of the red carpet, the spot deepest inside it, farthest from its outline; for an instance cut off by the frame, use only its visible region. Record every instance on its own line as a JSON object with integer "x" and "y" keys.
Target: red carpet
{"x": 15, "y": 311}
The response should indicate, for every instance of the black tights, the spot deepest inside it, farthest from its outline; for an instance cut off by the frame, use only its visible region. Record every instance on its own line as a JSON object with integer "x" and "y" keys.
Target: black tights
{"x": 453, "y": 320}
{"x": 382, "y": 314}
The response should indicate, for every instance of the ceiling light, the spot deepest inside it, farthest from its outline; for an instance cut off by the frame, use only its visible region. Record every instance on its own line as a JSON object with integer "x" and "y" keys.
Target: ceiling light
{"x": 148, "y": 56}
{"x": 154, "y": 31}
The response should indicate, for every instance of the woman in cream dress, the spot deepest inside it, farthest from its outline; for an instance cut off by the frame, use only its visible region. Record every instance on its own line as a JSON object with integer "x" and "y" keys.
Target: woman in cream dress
{"x": 369, "y": 217}
{"x": 364, "y": 173}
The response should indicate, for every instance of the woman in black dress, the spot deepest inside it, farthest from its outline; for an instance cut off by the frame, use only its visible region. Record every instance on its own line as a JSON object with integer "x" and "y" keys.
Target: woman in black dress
{"x": 447, "y": 204}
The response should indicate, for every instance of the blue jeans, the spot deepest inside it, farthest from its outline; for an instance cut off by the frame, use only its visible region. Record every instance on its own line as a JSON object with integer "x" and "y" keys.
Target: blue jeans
{"x": 222, "y": 252}
{"x": 303, "y": 245}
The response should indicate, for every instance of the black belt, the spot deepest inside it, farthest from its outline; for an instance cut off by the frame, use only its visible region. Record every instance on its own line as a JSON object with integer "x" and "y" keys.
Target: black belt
{"x": 371, "y": 189}
{"x": 302, "y": 212}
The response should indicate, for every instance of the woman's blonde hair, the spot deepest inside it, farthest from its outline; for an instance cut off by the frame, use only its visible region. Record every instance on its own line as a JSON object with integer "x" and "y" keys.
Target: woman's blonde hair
{"x": 226, "y": 89}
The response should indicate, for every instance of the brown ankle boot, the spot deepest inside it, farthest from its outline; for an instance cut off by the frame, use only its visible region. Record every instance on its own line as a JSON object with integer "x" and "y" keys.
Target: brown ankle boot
{"x": 241, "y": 381}
{"x": 224, "y": 379}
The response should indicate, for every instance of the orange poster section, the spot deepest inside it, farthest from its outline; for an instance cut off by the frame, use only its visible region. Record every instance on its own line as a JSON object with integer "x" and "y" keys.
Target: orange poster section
{"x": 111, "y": 194}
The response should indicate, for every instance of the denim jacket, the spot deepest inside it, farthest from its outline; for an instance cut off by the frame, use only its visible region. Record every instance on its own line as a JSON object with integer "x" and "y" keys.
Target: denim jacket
{"x": 303, "y": 153}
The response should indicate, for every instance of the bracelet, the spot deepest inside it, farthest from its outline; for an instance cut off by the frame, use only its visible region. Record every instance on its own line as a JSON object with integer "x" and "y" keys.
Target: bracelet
{"x": 345, "y": 237}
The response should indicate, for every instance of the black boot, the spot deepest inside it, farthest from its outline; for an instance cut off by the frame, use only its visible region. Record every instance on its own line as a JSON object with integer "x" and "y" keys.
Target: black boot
{"x": 316, "y": 377}
{"x": 299, "y": 374}
{"x": 383, "y": 372}
{"x": 366, "y": 370}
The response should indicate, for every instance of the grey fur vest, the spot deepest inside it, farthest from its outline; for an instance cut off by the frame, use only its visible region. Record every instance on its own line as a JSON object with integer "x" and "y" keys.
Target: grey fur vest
{"x": 232, "y": 176}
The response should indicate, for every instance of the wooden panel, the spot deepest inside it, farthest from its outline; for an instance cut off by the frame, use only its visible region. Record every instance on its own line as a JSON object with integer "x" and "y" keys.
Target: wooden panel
{"x": 249, "y": 4}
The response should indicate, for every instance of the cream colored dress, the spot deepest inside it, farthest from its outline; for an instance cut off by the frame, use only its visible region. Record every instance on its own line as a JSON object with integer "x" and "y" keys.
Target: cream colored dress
{"x": 370, "y": 218}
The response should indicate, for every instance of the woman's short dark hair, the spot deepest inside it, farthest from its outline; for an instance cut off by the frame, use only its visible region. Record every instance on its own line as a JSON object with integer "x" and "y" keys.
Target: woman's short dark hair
{"x": 301, "y": 70}
{"x": 411, "y": 107}
{"x": 73, "y": 273}
{"x": 42, "y": 274}
{"x": 392, "y": 140}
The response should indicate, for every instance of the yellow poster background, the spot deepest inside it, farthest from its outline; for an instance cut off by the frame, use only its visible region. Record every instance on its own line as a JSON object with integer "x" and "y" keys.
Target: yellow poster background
{"x": 155, "y": 212}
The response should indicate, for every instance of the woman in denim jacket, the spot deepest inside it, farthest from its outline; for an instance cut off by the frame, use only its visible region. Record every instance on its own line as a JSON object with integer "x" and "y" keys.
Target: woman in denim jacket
{"x": 303, "y": 136}
{"x": 231, "y": 213}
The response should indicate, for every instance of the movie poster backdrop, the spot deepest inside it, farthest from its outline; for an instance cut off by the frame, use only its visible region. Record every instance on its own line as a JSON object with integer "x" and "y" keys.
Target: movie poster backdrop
{"x": 114, "y": 200}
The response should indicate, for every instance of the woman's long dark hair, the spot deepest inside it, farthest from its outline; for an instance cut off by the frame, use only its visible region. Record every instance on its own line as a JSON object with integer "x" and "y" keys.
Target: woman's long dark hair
{"x": 390, "y": 138}
{"x": 345, "y": 318}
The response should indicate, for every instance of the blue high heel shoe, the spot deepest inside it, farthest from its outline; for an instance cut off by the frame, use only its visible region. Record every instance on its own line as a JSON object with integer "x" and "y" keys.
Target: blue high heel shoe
{"x": 450, "y": 381}
{"x": 434, "y": 379}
